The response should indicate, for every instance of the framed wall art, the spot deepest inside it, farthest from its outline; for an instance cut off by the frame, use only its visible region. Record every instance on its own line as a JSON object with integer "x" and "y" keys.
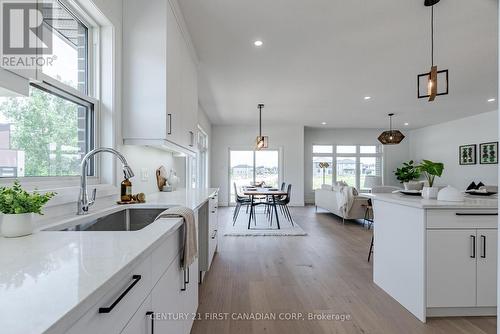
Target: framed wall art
{"x": 467, "y": 154}
{"x": 488, "y": 153}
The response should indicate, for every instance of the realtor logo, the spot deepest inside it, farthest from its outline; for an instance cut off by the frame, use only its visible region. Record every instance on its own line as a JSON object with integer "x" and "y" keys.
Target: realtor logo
{"x": 24, "y": 31}
{"x": 26, "y": 34}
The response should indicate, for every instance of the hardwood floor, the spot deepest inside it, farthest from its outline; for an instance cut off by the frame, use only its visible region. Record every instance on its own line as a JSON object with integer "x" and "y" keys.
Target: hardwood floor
{"x": 325, "y": 272}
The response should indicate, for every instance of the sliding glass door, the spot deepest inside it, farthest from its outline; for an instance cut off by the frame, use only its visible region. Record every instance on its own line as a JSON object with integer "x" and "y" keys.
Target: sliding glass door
{"x": 247, "y": 167}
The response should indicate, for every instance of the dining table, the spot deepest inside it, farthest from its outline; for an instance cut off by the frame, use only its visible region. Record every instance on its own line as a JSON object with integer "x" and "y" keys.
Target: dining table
{"x": 263, "y": 192}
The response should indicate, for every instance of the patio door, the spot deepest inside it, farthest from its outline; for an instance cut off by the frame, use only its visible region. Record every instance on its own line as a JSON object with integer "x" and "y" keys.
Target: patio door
{"x": 248, "y": 166}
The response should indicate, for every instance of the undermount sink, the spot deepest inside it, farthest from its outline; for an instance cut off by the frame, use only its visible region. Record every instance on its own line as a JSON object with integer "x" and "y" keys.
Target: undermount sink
{"x": 125, "y": 220}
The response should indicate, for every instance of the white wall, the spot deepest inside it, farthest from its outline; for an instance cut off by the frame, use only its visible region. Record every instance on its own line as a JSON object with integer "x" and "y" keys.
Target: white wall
{"x": 393, "y": 155}
{"x": 440, "y": 143}
{"x": 289, "y": 138}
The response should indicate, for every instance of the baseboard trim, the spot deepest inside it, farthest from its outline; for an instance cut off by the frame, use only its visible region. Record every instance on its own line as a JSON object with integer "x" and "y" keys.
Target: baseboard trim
{"x": 461, "y": 311}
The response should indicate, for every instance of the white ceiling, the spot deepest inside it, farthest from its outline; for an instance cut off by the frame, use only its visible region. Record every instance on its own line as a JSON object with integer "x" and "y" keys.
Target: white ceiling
{"x": 321, "y": 57}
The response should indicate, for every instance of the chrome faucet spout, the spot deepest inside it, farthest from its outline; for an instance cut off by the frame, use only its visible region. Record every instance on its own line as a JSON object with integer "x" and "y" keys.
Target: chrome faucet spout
{"x": 83, "y": 201}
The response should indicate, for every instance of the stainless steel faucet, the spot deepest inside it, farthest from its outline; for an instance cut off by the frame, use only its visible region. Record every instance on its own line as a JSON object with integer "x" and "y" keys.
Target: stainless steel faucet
{"x": 83, "y": 202}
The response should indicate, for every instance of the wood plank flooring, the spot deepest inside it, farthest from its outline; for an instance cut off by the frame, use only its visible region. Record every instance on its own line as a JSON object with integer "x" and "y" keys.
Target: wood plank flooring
{"x": 325, "y": 272}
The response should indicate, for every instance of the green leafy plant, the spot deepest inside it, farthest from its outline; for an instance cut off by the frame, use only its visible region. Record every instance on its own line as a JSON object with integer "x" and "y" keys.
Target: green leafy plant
{"x": 407, "y": 172}
{"x": 431, "y": 170}
{"x": 16, "y": 200}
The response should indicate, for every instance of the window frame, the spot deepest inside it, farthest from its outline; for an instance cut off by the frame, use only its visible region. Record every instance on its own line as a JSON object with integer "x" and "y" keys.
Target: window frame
{"x": 57, "y": 88}
{"x": 358, "y": 155}
{"x": 253, "y": 150}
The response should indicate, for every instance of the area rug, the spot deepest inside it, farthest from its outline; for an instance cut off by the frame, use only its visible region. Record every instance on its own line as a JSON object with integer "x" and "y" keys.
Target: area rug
{"x": 262, "y": 227}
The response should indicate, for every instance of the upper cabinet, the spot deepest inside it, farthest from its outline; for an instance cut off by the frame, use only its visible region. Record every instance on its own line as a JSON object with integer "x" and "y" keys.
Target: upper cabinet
{"x": 160, "y": 94}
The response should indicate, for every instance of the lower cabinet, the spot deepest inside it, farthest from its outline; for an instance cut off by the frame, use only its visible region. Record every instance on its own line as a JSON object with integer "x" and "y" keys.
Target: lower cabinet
{"x": 487, "y": 267}
{"x": 156, "y": 296}
{"x": 461, "y": 267}
{"x": 141, "y": 322}
{"x": 175, "y": 299}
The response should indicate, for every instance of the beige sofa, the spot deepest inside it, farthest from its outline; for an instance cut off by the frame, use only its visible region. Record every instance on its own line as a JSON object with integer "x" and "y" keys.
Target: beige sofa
{"x": 333, "y": 200}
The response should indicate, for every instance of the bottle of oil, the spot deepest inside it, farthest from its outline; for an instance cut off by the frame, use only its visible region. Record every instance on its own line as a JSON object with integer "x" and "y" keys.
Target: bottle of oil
{"x": 126, "y": 191}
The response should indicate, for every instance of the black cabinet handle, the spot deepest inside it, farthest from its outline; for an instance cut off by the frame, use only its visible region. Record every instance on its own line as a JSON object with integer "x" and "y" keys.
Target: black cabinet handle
{"x": 214, "y": 234}
{"x": 136, "y": 279}
{"x": 184, "y": 280}
{"x": 150, "y": 315}
{"x": 473, "y": 238}
{"x": 483, "y": 242}
{"x": 169, "y": 124}
{"x": 187, "y": 281}
{"x": 477, "y": 214}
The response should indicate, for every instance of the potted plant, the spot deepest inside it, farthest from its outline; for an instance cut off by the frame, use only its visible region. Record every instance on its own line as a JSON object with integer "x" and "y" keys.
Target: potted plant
{"x": 430, "y": 170}
{"x": 17, "y": 208}
{"x": 407, "y": 173}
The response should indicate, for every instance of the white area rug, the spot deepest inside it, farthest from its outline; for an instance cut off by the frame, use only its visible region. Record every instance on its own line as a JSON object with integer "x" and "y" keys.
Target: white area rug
{"x": 261, "y": 227}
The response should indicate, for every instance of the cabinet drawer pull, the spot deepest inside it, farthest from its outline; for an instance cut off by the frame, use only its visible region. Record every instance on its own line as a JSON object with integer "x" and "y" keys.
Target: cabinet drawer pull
{"x": 169, "y": 124}
{"x": 185, "y": 279}
{"x": 483, "y": 248}
{"x": 136, "y": 279}
{"x": 477, "y": 214}
{"x": 214, "y": 234}
{"x": 150, "y": 315}
{"x": 191, "y": 138}
{"x": 473, "y": 238}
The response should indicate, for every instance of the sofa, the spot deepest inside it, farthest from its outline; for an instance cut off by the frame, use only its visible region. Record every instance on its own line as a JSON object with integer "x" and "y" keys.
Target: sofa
{"x": 341, "y": 200}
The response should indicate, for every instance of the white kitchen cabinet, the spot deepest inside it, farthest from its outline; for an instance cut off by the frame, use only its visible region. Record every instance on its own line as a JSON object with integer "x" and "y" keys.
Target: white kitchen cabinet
{"x": 461, "y": 268}
{"x": 451, "y": 269}
{"x": 157, "y": 284}
{"x": 175, "y": 299}
{"x": 167, "y": 296}
{"x": 487, "y": 267}
{"x": 160, "y": 86}
{"x": 208, "y": 232}
{"x": 141, "y": 322}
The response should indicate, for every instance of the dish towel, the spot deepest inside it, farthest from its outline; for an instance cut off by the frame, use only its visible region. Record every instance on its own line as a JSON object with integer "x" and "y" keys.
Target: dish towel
{"x": 190, "y": 247}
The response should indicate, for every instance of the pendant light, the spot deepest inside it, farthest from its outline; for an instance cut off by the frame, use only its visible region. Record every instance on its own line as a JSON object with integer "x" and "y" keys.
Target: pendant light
{"x": 391, "y": 137}
{"x": 262, "y": 141}
{"x": 431, "y": 78}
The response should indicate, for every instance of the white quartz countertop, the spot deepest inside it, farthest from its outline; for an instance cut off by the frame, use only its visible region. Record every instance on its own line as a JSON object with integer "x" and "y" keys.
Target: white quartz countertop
{"x": 50, "y": 274}
{"x": 470, "y": 202}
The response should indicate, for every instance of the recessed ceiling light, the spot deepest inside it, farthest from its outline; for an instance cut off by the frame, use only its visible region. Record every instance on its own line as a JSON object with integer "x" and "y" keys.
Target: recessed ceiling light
{"x": 258, "y": 43}
{"x": 323, "y": 123}
{"x": 491, "y": 100}
{"x": 367, "y": 97}
{"x": 406, "y": 123}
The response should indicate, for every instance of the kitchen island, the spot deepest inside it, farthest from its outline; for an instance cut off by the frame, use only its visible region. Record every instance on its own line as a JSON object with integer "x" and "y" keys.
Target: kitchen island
{"x": 436, "y": 258}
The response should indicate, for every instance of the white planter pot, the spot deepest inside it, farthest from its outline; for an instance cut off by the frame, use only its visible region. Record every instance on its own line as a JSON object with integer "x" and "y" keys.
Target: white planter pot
{"x": 430, "y": 192}
{"x": 413, "y": 185}
{"x": 16, "y": 225}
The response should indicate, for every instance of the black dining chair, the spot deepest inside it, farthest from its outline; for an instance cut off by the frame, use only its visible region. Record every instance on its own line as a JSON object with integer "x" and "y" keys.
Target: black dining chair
{"x": 240, "y": 201}
{"x": 283, "y": 204}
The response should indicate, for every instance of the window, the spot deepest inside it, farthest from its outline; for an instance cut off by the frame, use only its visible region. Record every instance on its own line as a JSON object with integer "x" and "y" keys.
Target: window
{"x": 247, "y": 167}
{"x": 352, "y": 164}
{"x": 202, "y": 157}
{"x": 48, "y": 132}
{"x": 322, "y": 149}
{"x": 45, "y": 134}
{"x": 346, "y": 170}
{"x": 70, "y": 45}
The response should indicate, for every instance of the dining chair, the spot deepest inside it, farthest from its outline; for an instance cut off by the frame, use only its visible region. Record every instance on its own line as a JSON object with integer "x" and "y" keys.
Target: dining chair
{"x": 283, "y": 204}
{"x": 240, "y": 200}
